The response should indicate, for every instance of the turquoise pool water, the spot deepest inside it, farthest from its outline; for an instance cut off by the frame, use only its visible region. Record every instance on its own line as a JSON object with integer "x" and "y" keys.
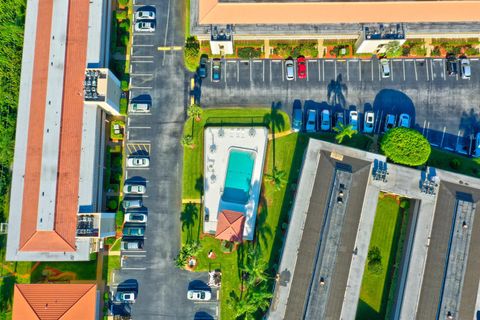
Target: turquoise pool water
{"x": 239, "y": 176}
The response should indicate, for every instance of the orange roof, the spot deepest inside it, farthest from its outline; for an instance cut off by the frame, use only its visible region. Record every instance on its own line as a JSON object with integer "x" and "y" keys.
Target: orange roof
{"x": 62, "y": 238}
{"x": 230, "y": 226}
{"x": 54, "y": 302}
{"x": 215, "y": 12}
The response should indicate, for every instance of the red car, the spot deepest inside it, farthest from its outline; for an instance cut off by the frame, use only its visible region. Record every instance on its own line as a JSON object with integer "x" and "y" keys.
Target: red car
{"x": 301, "y": 68}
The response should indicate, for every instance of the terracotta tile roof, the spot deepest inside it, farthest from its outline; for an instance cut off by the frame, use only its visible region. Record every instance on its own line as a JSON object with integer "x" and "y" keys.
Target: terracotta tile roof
{"x": 54, "y": 301}
{"x": 62, "y": 238}
{"x": 230, "y": 226}
{"x": 215, "y": 12}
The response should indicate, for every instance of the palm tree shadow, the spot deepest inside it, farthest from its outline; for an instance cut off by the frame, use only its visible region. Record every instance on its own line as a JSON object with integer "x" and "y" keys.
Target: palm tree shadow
{"x": 262, "y": 230}
{"x": 336, "y": 92}
{"x": 275, "y": 121}
{"x": 188, "y": 218}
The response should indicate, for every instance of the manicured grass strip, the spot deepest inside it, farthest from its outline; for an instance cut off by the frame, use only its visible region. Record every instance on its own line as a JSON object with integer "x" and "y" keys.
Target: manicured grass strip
{"x": 454, "y": 162}
{"x": 193, "y": 158}
{"x": 84, "y": 270}
{"x": 385, "y": 235}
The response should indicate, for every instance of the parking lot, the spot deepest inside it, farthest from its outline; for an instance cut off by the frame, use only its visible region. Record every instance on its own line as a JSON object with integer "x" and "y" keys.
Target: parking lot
{"x": 444, "y": 108}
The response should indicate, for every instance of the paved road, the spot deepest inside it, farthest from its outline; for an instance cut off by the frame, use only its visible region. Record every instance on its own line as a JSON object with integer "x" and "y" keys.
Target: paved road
{"x": 158, "y": 77}
{"x": 443, "y": 108}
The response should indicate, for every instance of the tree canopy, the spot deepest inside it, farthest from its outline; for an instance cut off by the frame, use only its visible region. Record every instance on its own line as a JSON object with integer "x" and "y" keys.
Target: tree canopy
{"x": 406, "y": 146}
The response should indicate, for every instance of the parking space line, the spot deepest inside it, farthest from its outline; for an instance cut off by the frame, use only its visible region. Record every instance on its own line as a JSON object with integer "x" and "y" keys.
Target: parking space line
{"x": 335, "y": 64}
{"x": 263, "y": 70}
{"x": 359, "y": 70}
{"x": 423, "y": 130}
{"x": 238, "y": 71}
{"x": 431, "y": 69}
{"x": 142, "y": 45}
{"x": 428, "y": 128}
{"x": 211, "y": 71}
{"x": 348, "y": 75}
{"x": 323, "y": 70}
{"x": 270, "y": 70}
{"x": 403, "y": 62}
{"x": 141, "y": 61}
{"x": 391, "y": 69}
{"x": 372, "y": 69}
{"x": 415, "y": 68}
{"x": 474, "y": 59}
{"x": 132, "y": 268}
{"x": 166, "y": 32}
{"x": 225, "y": 70}
{"x": 143, "y": 57}
{"x": 318, "y": 63}
{"x": 426, "y": 67}
{"x": 250, "y": 65}
{"x": 443, "y": 71}
{"x": 135, "y": 87}
{"x": 141, "y": 74}
{"x": 443, "y": 136}
{"x": 283, "y": 72}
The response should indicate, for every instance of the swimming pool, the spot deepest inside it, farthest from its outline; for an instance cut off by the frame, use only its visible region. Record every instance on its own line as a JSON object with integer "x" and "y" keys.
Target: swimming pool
{"x": 239, "y": 176}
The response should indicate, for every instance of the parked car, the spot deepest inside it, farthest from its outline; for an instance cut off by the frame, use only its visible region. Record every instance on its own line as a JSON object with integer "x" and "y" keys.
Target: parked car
{"x": 133, "y": 231}
{"x": 353, "y": 119}
{"x": 199, "y": 295}
{"x": 290, "y": 73}
{"x": 385, "y": 67}
{"x": 451, "y": 64}
{"x": 390, "y": 121}
{"x": 325, "y": 120}
{"x": 297, "y": 119}
{"x": 476, "y": 146}
{"x": 140, "y": 107}
{"x": 144, "y": 15}
{"x": 131, "y": 245}
{"x": 125, "y": 297}
{"x": 404, "y": 120}
{"x": 145, "y": 26}
{"x": 369, "y": 122}
{"x": 301, "y": 68}
{"x": 132, "y": 204}
{"x": 311, "y": 125}
{"x": 339, "y": 119}
{"x": 135, "y": 217}
{"x": 465, "y": 69}
{"x": 134, "y": 188}
{"x": 216, "y": 70}
{"x": 138, "y": 162}
{"x": 202, "y": 69}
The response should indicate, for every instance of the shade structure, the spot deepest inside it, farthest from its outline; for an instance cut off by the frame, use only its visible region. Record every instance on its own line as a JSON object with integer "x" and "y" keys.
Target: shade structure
{"x": 230, "y": 226}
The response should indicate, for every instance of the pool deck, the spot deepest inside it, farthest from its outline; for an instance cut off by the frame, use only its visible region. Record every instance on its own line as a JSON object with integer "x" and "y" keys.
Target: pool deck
{"x": 218, "y": 143}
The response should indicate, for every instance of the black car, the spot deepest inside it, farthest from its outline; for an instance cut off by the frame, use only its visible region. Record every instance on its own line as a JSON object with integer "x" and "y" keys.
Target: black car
{"x": 216, "y": 70}
{"x": 452, "y": 64}
{"x": 202, "y": 69}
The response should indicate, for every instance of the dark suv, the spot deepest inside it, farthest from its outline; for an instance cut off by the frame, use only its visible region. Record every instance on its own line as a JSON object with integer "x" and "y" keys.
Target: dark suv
{"x": 452, "y": 64}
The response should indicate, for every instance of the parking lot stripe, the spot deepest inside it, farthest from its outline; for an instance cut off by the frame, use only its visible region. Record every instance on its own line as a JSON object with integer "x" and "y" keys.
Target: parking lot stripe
{"x": 131, "y": 268}
{"x": 166, "y": 32}
{"x": 391, "y": 69}
{"x": 142, "y": 61}
{"x": 474, "y": 59}
{"x": 140, "y": 127}
{"x": 211, "y": 71}
{"x": 319, "y": 79}
{"x": 238, "y": 71}
{"x": 263, "y": 70}
{"x": 444, "y": 71}
{"x": 135, "y": 87}
{"x": 335, "y": 67}
{"x": 307, "y": 70}
{"x": 143, "y": 57}
{"x": 431, "y": 69}
{"x": 372, "y": 69}
{"x": 283, "y": 72}
{"x": 443, "y": 136}
{"x": 403, "y": 62}
{"x": 270, "y": 70}
{"x": 428, "y": 128}
{"x": 250, "y": 67}
{"x": 348, "y": 75}
{"x": 415, "y": 68}
{"x": 225, "y": 70}
{"x": 141, "y": 74}
{"x": 426, "y": 67}
{"x": 323, "y": 70}
{"x": 142, "y": 45}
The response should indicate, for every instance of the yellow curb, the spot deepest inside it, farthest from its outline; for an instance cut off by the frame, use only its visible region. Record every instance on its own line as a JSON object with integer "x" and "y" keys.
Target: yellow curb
{"x": 184, "y": 201}
{"x": 280, "y": 134}
{"x": 173, "y": 48}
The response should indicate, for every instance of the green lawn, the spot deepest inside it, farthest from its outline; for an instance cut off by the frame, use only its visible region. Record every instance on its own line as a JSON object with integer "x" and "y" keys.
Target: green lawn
{"x": 193, "y": 159}
{"x": 84, "y": 270}
{"x": 443, "y": 160}
{"x": 386, "y": 236}
{"x": 110, "y": 263}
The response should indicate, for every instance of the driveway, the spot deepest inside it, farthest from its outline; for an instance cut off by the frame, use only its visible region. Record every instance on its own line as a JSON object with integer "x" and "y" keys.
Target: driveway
{"x": 445, "y": 109}
{"x": 158, "y": 77}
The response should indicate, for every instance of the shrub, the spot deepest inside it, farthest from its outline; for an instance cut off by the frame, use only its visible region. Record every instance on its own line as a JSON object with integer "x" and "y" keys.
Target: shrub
{"x": 405, "y": 204}
{"x": 471, "y": 51}
{"x": 124, "y": 39}
{"x": 123, "y": 3}
{"x": 116, "y": 161}
{"x": 112, "y": 204}
{"x": 419, "y": 50}
{"x": 405, "y": 146}
{"x": 123, "y": 105}
{"x": 191, "y": 53}
{"x": 436, "y": 51}
{"x": 308, "y": 49}
{"x": 455, "y": 163}
{"x": 374, "y": 260}
{"x": 393, "y": 49}
{"x": 248, "y": 53}
{"x": 121, "y": 15}
{"x": 283, "y": 50}
{"x": 124, "y": 25}
{"x": 116, "y": 177}
{"x": 124, "y": 85}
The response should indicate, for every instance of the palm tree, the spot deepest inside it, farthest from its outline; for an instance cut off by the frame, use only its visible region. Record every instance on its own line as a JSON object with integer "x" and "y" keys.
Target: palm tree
{"x": 195, "y": 112}
{"x": 344, "y": 131}
{"x": 255, "y": 267}
{"x": 187, "y": 141}
{"x": 260, "y": 297}
{"x": 278, "y": 178}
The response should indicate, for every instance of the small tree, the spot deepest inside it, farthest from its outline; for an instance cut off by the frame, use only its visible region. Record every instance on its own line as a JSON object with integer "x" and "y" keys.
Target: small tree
{"x": 188, "y": 250}
{"x": 374, "y": 260}
{"x": 195, "y": 112}
{"x": 191, "y": 53}
{"x": 344, "y": 131}
{"x": 405, "y": 146}
{"x": 187, "y": 141}
{"x": 278, "y": 178}
{"x": 393, "y": 49}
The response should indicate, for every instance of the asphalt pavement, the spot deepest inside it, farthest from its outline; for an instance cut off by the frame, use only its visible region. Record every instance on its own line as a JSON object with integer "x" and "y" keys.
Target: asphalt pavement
{"x": 443, "y": 108}
{"x": 158, "y": 77}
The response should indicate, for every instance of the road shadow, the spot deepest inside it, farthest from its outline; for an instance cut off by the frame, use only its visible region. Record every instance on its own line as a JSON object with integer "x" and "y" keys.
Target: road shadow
{"x": 142, "y": 98}
{"x": 198, "y": 285}
{"x": 389, "y": 101}
{"x": 470, "y": 122}
{"x": 337, "y": 91}
{"x": 203, "y": 315}
{"x": 137, "y": 180}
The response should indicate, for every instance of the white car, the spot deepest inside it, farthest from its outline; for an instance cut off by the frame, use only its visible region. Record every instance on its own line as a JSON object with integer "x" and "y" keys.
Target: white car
{"x": 289, "y": 67}
{"x": 144, "y": 15}
{"x": 353, "y": 119}
{"x": 369, "y": 122}
{"x": 128, "y": 297}
{"x": 199, "y": 295}
{"x": 390, "y": 122}
{"x": 311, "y": 125}
{"x": 465, "y": 69}
{"x": 385, "y": 65}
{"x": 136, "y": 162}
{"x": 145, "y": 26}
{"x": 404, "y": 120}
{"x": 135, "y": 217}
{"x": 325, "y": 120}
{"x": 134, "y": 189}
{"x": 139, "y": 107}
